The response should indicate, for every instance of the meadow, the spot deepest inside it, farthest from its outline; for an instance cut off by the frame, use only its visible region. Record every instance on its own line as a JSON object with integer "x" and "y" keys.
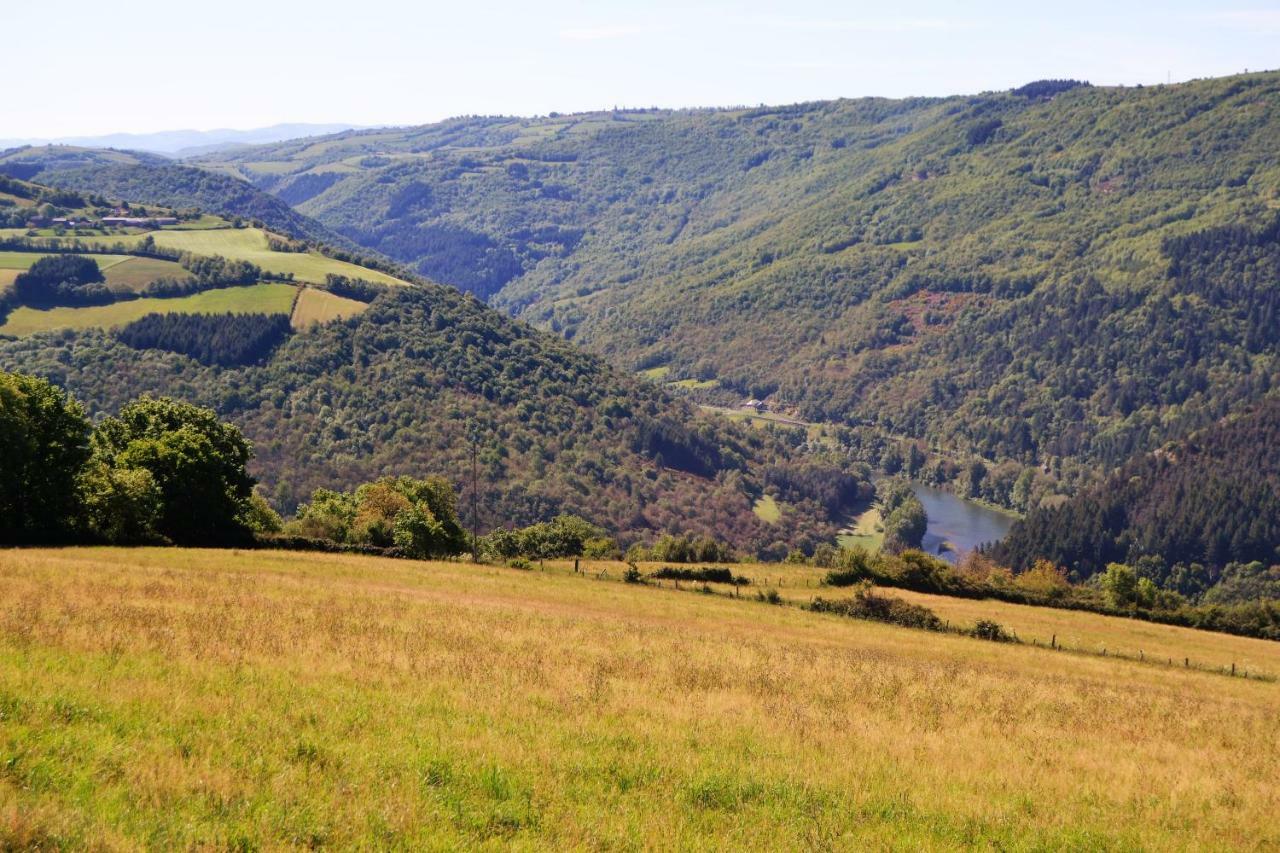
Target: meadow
{"x": 249, "y": 244}
{"x": 253, "y": 299}
{"x": 177, "y": 698}
{"x": 319, "y": 306}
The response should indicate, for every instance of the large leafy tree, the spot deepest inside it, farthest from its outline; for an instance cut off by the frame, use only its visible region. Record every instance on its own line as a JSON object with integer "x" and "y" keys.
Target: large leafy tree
{"x": 196, "y": 462}
{"x": 43, "y": 446}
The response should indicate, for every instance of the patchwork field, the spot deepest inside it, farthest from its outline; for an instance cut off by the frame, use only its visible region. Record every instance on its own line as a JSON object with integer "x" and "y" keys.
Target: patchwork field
{"x": 173, "y": 699}
{"x": 249, "y": 244}
{"x": 253, "y": 299}
{"x": 319, "y": 306}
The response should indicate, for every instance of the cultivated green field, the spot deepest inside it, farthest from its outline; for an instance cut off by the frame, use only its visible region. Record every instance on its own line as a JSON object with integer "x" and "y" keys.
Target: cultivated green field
{"x": 254, "y": 299}
{"x": 22, "y": 261}
{"x": 133, "y": 274}
{"x": 319, "y": 306}
{"x": 175, "y": 699}
{"x": 248, "y": 244}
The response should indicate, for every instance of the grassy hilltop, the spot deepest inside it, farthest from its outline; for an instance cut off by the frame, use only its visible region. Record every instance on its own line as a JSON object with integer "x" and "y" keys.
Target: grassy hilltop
{"x": 170, "y": 698}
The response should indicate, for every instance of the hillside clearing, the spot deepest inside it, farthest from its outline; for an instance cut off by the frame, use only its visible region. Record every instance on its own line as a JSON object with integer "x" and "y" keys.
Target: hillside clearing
{"x": 253, "y": 299}
{"x": 766, "y": 509}
{"x": 319, "y": 306}
{"x": 218, "y": 698}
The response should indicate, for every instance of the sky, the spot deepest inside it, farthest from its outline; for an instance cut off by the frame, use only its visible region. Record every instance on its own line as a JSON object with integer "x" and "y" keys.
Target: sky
{"x": 97, "y": 66}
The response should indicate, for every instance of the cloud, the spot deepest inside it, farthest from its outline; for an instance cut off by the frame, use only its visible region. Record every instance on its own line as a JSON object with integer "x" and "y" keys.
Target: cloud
{"x": 601, "y": 33}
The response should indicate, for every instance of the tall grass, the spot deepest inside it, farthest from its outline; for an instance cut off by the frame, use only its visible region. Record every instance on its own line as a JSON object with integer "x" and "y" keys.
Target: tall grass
{"x": 166, "y": 698}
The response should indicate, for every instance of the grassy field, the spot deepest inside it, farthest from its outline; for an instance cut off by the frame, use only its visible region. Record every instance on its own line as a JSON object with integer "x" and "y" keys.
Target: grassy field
{"x": 22, "y": 261}
{"x": 866, "y": 531}
{"x": 258, "y": 298}
{"x": 133, "y": 274}
{"x": 249, "y": 244}
{"x": 172, "y": 699}
{"x": 319, "y": 306}
{"x": 766, "y": 509}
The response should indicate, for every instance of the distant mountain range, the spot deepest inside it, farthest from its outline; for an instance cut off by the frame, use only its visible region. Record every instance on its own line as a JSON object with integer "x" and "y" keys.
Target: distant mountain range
{"x": 188, "y": 143}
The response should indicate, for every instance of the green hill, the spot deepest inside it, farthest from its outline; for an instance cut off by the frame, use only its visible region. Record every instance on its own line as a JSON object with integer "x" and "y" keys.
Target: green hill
{"x": 382, "y": 376}
{"x": 138, "y": 175}
{"x": 1183, "y": 513}
{"x": 990, "y": 274}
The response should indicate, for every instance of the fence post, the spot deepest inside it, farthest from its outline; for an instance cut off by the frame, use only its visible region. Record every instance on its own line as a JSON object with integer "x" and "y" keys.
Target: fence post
{"x": 1233, "y": 668}
{"x": 1186, "y": 662}
{"x": 1054, "y": 642}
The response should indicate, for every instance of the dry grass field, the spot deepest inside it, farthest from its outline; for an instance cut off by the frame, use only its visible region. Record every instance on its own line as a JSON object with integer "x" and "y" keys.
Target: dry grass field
{"x": 169, "y": 699}
{"x": 319, "y": 306}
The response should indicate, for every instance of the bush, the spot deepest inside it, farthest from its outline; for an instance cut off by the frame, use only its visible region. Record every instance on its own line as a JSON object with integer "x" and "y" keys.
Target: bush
{"x": 985, "y": 629}
{"x": 866, "y": 604}
{"x": 706, "y": 575}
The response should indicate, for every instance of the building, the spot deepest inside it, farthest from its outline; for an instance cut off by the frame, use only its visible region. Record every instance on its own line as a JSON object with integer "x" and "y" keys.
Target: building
{"x": 756, "y": 405}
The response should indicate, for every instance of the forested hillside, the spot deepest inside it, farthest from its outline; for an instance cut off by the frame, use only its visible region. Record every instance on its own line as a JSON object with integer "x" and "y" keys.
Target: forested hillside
{"x": 402, "y": 389}
{"x": 1003, "y": 274}
{"x": 1182, "y": 513}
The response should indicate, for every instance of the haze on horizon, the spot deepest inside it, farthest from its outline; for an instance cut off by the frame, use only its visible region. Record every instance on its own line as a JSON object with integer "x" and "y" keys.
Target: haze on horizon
{"x": 160, "y": 66}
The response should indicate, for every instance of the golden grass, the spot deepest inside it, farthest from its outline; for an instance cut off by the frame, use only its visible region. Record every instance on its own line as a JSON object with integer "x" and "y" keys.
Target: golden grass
{"x": 319, "y": 306}
{"x": 170, "y": 699}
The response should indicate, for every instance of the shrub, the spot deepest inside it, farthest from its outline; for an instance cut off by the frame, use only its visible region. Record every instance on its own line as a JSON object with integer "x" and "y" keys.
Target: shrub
{"x": 985, "y": 629}
{"x": 706, "y": 575}
{"x": 866, "y": 604}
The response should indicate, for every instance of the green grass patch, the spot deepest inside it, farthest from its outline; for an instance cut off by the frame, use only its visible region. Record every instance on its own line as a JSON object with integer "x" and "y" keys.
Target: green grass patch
{"x": 767, "y": 509}
{"x": 694, "y": 384}
{"x": 255, "y": 299}
{"x": 656, "y": 374}
{"x": 866, "y": 530}
{"x": 248, "y": 244}
{"x": 133, "y": 274}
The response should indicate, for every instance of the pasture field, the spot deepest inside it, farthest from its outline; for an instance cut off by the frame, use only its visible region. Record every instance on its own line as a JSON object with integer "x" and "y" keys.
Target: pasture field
{"x": 319, "y": 306}
{"x": 133, "y": 274}
{"x": 253, "y": 299}
{"x": 22, "y": 261}
{"x": 185, "y": 698}
{"x": 6, "y": 278}
{"x": 249, "y": 244}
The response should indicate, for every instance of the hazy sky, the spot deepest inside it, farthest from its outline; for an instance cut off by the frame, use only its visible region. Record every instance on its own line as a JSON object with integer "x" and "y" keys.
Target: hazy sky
{"x": 98, "y": 66}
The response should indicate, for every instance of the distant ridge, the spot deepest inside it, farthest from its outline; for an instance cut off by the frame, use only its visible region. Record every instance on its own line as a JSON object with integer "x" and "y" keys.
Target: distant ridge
{"x": 185, "y": 143}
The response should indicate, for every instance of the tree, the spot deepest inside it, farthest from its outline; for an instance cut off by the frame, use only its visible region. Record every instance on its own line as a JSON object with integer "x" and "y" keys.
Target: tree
{"x": 121, "y": 505}
{"x": 1120, "y": 582}
{"x": 61, "y": 279}
{"x": 197, "y": 462}
{"x": 43, "y": 446}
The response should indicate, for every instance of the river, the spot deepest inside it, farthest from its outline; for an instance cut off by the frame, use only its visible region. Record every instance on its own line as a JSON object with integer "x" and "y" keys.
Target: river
{"x": 962, "y": 524}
